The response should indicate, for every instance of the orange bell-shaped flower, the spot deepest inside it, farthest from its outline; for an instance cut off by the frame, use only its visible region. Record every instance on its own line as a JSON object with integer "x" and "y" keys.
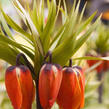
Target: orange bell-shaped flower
{"x": 71, "y": 93}
{"x": 49, "y": 83}
{"x": 20, "y": 87}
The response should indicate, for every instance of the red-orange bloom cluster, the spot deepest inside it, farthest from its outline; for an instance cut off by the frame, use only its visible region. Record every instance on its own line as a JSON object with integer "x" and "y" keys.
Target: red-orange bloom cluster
{"x": 106, "y": 63}
{"x": 71, "y": 93}
{"x": 20, "y": 87}
{"x": 99, "y": 68}
{"x": 54, "y": 83}
{"x": 104, "y": 66}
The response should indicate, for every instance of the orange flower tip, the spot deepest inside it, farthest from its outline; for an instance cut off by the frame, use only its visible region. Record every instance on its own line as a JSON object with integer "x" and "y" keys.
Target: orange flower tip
{"x": 17, "y": 68}
{"x": 10, "y": 69}
{"x": 48, "y": 67}
{"x": 68, "y": 70}
{"x": 73, "y": 69}
{"x": 77, "y": 67}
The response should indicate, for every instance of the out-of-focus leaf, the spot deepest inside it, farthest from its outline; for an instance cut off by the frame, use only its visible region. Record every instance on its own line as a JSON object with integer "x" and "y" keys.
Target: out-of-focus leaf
{"x": 82, "y": 13}
{"x": 35, "y": 35}
{"x": 85, "y": 36}
{"x": 84, "y": 25}
{"x": 45, "y": 37}
{"x": 59, "y": 33}
{"x": 41, "y": 15}
{"x": 5, "y": 26}
{"x": 17, "y": 27}
{"x": 91, "y": 58}
{"x": 63, "y": 50}
{"x": 71, "y": 23}
{"x": 35, "y": 18}
{"x": 64, "y": 13}
{"x": 7, "y": 53}
{"x": 15, "y": 44}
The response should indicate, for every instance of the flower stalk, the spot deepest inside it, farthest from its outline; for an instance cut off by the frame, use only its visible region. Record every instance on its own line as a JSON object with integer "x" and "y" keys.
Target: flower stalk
{"x": 38, "y": 105}
{"x": 28, "y": 64}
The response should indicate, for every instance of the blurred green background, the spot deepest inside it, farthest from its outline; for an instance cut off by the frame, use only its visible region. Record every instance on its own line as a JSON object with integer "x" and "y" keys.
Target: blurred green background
{"x": 92, "y": 83}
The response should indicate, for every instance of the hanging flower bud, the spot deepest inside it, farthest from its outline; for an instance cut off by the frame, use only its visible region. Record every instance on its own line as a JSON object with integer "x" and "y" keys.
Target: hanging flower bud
{"x": 106, "y": 63}
{"x": 19, "y": 86}
{"x": 49, "y": 83}
{"x": 99, "y": 68}
{"x": 71, "y": 93}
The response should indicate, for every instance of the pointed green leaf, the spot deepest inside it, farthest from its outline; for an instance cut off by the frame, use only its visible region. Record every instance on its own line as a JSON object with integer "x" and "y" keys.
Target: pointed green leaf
{"x": 82, "y": 12}
{"x": 45, "y": 37}
{"x": 17, "y": 27}
{"x": 5, "y": 26}
{"x": 85, "y": 24}
{"x": 34, "y": 16}
{"x": 7, "y": 53}
{"x": 85, "y": 36}
{"x": 35, "y": 35}
{"x": 91, "y": 58}
{"x": 15, "y": 44}
{"x": 66, "y": 50}
{"x": 71, "y": 23}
